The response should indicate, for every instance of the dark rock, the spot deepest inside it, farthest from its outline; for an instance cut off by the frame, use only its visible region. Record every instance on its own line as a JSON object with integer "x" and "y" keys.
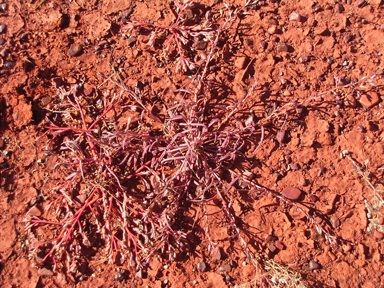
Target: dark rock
{"x": 225, "y": 268}
{"x": 360, "y": 3}
{"x": 280, "y": 136}
{"x": 295, "y": 166}
{"x": 216, "y": 253}
{"x": 282, "y": 47}
{"x": 263, "y": 45}
{"x": 3, "y": 7}
{"x": 339, "y": 8}
{"x": 201, "y": 266}
{"x": 3, "y": 27}
{"x": 75, "y": 50}
{"x": 131, "y": 41}
{"x": 348, "y": 37}
{"x": 2, "y": 41}
{"x": 313, "y": 265}
{"x": 200, "y": 45}
{"x": 335, "y": 222}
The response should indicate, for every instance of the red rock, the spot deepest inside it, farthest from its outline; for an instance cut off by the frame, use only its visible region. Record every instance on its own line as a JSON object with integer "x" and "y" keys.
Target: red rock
{"x": 378, "y": 235}
{"x": 370, "y": 99}
{"x": 271, "y": 247}
{"x": 279, "y": 245}
{"x": 34, "y": 211}
{"x": 291, "y": 193}
{"x": 360, "y": 3}
{"x": 44, "y": 272}
{"x": 75, "y": 50}
{"x": 296, "y": 17}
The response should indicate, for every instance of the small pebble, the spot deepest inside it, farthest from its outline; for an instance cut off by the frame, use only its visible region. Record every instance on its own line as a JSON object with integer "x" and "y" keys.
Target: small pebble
{"x": 34, "y": 211}
{"x": 3, "y": 7}
{"x": 279, "y": 245}
{"x": 295, "y": 166}
{"x": 272, "y": 248}
{"x": 378, "y": 235}
{"x": 139, "y": 274}
{"x": 225, "y": 268}
{"x": 200, "y": 45}
{"x": 44, "y": 272}
{"x": 2, "y": 42}
{"x": 119, "y": 277}
{"x": 228, "y": 278}
{"x": 75, "y": 50}
{"x": 3, "y": 27}
{"x": 131, "y": 41}
{"x": 339, "y": 8}
{"x": 335, "y": 222}
{"x": 201, "y": 266}
{"x": 296, "y": 17}
{"x": 280, "y": 136}
{"x": 282, "y": 47}
{"x": 216, "y": 253}
{"x": 313, "y": 265}
{"x": 304, "y": 58}
{"x": 360, "y": 3}
{"x": 9, "y": 64}
{"x": 370, "y": 99}
{"x": 291, "y": 193}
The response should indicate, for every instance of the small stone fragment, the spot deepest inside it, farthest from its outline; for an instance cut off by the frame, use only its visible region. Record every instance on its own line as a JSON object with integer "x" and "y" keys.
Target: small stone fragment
{"x": 3, "y": 27}
{"x": 350, "y": 101}
{"x": 3, "y": 7}
{"x": 216, "y": 253}
{"x": 225, "y": 268}
{"x": 75, "y": 50}
{"x": 46, "y": 100}
{"x": 200, "y": 45}
{"x": 34, "y": 211}
{"x": 2, "y": 42}
{"x": 335, "y": 222}
{"x": 272, "y": 30}
{"x": 9, "y": 64}
{"x": 279, "y": 245}
{"x": 339, "y": 8}
{"x": 348, "y": 37}
{"x": 201, "y": 266}
{"x": 139, "y": 274}
{"x": 280, "y": 136}
{"x": 44, "y": 272}
{"x": 378, "y": 235}
{"x": 302, "y": 181}
{"x": 296, "y": 17}
{"x": 313, "y": 265}
{"x": 370, "y": 99}
{"x": 304, "y": 58}
{"x": 360, "y": 3}
{"x": 282, "y": 47}
{"x": 119, "y": 276}
{"x": 272, "y": 248}
{"x": 295, "y": 166}
{"x": 291, "y": 193}
{"x": 131, "y": 41}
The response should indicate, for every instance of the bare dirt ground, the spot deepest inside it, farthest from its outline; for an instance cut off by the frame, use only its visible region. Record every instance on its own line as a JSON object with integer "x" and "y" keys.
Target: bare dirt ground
{"x": 295, "y": 49}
